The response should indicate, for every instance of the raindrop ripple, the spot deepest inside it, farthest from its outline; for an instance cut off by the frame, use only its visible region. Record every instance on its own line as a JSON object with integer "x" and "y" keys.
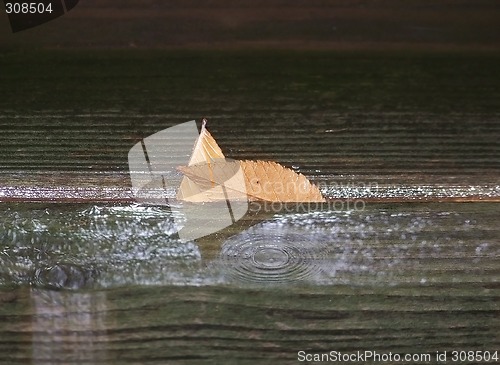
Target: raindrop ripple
{"x": 271, "y": 258}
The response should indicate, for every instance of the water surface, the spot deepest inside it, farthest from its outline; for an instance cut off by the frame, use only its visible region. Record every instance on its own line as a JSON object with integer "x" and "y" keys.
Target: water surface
{"x": 403, "y": 258}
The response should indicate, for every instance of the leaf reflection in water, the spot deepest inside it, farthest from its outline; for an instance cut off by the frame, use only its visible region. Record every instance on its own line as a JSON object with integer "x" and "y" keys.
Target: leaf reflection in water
{"x": 68, "y": 327}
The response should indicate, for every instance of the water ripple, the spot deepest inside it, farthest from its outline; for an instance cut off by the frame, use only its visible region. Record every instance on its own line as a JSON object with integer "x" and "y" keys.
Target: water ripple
{"x": 270, "y": 257}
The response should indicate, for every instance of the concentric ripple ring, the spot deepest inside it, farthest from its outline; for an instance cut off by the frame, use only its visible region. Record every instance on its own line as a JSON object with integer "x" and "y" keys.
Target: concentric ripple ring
{"x": 261, "y": 258}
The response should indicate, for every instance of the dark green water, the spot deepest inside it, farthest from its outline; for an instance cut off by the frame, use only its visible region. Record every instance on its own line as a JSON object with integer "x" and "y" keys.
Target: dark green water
{"x": 247, "y": 82}
{"x": 110, "y": 282}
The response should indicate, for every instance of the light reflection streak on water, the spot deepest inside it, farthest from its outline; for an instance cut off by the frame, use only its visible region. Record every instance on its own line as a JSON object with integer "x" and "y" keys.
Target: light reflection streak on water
{"x": 357, "y": 189}
{"x": 62, "y": 187}
{"x": 79, "y": 246}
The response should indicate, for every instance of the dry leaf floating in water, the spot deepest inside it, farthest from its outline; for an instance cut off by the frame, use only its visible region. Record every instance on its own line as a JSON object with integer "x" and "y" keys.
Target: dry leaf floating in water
{"x": 210, "y": 176}
{"x": 269, "y": 181}
{"x": 205, "y": 150}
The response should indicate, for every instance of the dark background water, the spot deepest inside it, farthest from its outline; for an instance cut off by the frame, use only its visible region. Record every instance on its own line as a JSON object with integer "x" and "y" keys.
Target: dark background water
{"x": 390, "y": 106}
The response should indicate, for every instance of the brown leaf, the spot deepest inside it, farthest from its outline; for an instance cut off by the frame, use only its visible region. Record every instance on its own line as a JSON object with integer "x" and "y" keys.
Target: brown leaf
{"x": 205, "y": 150}
{"x": 269, "y": 181}
{"x": 262, "y": 180}
{"x": 209, "y": 176}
